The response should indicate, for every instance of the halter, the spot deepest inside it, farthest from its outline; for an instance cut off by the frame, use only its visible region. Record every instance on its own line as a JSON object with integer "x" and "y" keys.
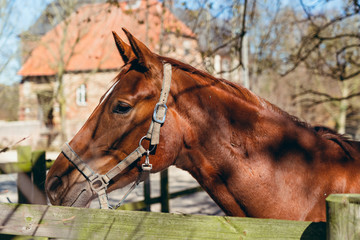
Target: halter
{"x": 99, "y": 183}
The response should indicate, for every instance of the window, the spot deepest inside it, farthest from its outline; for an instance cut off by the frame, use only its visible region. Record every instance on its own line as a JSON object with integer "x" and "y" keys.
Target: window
{"x": 81, "y": 96}
{"x": 133, "y": 4}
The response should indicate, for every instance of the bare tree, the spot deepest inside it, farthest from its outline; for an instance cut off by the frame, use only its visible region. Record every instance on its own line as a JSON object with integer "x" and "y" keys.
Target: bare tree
{"x": 330, "y": 48}
{"x": 321, "y": 48}
{"x": 8, "y": 54}
{"x": 6, "y": 30}
{"x": 61, "y": 18}
{"x": 9, "y": 96}
{"x": 222, "y": 29}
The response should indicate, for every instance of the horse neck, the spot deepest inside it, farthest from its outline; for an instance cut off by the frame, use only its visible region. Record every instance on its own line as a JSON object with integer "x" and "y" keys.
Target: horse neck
{"x": 226, "y": 129}
{"x": 216, "y": 111}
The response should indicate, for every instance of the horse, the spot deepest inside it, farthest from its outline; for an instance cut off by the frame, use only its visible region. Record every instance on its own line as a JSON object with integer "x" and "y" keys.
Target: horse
{"x": 251, "y": 157}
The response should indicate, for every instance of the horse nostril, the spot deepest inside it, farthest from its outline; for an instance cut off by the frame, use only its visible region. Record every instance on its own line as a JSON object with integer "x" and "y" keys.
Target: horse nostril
{"x": 54, "y": 188}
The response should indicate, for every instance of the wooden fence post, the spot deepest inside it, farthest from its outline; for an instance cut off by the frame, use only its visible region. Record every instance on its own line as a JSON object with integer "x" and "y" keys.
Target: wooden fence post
{"x": 23, "y": 180}
{"x": 31, "y": 184}
{"x": 147, "y": 194}
{"x": 343, "y": 216}
{"x": 164, "y": 189}
{"x": 38, "y": 177}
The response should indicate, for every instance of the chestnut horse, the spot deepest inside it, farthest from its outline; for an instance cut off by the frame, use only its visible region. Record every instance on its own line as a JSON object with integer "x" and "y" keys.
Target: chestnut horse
{"x": 252, "y": 158}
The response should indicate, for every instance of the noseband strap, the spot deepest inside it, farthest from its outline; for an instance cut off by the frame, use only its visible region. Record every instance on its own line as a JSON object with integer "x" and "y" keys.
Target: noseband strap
{"x": 99, "y": 183}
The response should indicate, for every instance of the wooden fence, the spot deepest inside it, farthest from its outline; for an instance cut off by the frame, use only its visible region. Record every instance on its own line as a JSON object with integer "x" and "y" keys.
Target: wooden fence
{"x": 343, "y": 216}
{"x": 31, "y": 169}
{"x": 78, "y": 223}
{"x": 343, "y": 222}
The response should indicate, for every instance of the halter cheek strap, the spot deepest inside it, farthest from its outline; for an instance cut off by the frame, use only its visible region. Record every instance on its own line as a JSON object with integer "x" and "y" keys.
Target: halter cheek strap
{"x": 99, "y": 183}
{"x": 160, "y": 108}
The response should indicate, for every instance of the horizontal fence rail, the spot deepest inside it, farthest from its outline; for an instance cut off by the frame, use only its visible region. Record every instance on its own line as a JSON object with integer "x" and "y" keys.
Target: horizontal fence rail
{"x": 20, "y": 167}
{"x": 343, "y": 222}
{"x": 80, "y": 223}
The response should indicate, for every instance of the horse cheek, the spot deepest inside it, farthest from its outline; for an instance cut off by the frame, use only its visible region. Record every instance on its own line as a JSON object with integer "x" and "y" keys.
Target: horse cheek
{"x": 170, "y": 142}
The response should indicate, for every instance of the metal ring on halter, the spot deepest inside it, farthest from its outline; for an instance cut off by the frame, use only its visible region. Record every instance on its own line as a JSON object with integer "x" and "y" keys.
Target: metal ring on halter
{"x": 140, "y": 145}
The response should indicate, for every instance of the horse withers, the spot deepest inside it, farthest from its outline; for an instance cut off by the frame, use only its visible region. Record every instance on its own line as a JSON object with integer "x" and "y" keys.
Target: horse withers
{"x": 252, "y": 158}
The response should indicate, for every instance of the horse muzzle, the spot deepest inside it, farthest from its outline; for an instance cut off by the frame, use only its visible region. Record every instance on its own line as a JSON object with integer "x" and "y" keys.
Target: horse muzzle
{"x": 61, "y": 193}
{"x": 67, "y": 189}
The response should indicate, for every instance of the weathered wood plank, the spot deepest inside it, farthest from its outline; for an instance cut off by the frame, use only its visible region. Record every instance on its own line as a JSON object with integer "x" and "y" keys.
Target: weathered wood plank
{"x": 147, "y": 194}
{"x": 38, "y": 177}
{"x": 20, "y": 167}
{"x": 164, "y": 191}
{"x": 17, "y": 237}
{"x": 77, "y": 223}
{"x": 15, "y": 167}
{"x": 343, "y": 216}
{"x": 24, "y": 178}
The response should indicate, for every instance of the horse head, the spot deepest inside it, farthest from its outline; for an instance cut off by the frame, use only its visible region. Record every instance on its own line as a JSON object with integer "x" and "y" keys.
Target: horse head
{"x": 117, "y": 130}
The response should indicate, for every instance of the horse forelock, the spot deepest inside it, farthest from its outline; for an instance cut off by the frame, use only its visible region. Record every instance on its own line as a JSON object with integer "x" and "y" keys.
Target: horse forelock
{"x": 113, "y": 83}
{"x": 123, "y": 70}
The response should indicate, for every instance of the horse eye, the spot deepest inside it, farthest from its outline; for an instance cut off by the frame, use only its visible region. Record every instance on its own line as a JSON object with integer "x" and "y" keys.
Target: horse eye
{"x": 122, "y": 108}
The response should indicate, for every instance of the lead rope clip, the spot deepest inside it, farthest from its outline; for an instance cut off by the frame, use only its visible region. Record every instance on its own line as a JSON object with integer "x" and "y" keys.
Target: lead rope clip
{"x": 147, "y": 166}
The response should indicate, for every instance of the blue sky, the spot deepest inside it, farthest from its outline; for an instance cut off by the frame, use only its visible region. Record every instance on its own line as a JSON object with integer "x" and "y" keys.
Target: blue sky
{"x": 23, "y": 15}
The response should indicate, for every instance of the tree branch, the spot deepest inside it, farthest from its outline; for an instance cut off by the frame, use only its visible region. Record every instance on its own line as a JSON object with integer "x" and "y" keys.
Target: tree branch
{"x": 242, "y": 33}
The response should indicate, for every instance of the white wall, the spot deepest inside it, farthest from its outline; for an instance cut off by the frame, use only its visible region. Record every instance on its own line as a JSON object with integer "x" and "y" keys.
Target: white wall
{"x": 12, "y": 132}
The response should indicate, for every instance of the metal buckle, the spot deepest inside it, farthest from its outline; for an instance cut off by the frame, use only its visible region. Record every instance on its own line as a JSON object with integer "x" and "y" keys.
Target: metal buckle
{"x": 97, "y": 183}
{"x": 157, "y": 106}
{"x": 147, "y": 166}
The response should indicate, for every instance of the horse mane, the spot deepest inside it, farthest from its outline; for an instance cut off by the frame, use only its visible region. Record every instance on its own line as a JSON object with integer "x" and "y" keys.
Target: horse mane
{"x": 348, "y": 145}
{"x": 234, "y": 88}
{"x": 343, "y": 141}
{"x": 249, "y": 96}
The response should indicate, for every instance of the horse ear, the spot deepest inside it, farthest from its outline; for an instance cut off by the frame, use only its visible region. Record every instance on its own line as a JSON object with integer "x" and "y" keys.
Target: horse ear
{"x": 144, "y": 55}
{"x": 124, "y": 49}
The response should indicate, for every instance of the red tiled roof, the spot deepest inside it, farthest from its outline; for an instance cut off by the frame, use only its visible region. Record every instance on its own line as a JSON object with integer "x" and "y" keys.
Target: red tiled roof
{"x": 89, "y": 43}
